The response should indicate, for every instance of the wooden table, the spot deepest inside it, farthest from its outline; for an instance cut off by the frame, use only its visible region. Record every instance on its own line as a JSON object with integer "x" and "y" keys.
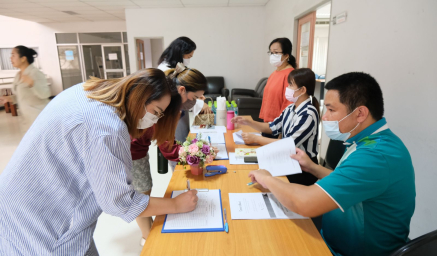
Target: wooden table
{"x": 245, "y": 237}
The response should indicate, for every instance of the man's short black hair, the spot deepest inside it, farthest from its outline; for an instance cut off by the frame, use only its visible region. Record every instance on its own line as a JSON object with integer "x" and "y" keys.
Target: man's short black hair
{"x": 359, "y": 89}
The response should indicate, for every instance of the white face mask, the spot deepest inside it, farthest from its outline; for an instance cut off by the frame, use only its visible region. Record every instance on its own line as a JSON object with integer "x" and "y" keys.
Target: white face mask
{"x": 289, "y": 94}
{"x": 332, "y": 129}
{"x": 275, "y": 60}
{"x": 186, "y": 62}
{"x": 147, "y": 121}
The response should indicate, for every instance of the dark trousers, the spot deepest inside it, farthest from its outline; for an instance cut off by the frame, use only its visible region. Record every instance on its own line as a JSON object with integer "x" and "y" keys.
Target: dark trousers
{"x": 304, "y": 178}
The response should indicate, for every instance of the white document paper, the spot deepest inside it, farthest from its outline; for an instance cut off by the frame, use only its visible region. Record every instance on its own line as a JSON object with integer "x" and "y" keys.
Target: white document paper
{"x": 238, "y": 138}
{"x": 275, "y": 157}
{"x": 223, "y": 153}
{"x": 236, "y": 160}
{"x": 216, "y": 138}
{"x": 256, "y": 206}
{"x": 112, "y": 56}
{"x": 213, "y": 129}
{"x": 207, "y": 215}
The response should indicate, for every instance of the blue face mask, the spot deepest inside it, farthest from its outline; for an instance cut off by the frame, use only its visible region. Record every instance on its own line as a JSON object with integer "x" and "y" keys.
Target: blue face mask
{"x": 332, "y": 129}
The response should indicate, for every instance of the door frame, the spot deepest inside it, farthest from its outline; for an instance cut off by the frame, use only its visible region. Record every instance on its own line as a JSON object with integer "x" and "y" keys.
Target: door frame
{"x": 141, "y": 62}
{"x": 122, "y": 56}
{"x": 311, "y": 17}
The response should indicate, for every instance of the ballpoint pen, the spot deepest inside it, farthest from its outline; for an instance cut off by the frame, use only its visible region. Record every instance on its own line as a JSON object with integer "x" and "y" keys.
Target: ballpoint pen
{"x": 209, "y": 138}
{"x": 188, "y": 185}
{"x": 226, "y": 223}
{"x": 251, "y": 183}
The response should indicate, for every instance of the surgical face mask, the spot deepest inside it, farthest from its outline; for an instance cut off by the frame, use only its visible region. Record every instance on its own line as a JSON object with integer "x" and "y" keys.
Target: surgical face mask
{"x": 289, "y": 94}
{"x": 332, "y": 129}
{"x": 275, "y": 60}
{"x": 198, "y": 107}
{"x": 189, "y": 104}
{"x": 186, "y": 62}
{"x": 147, "y": 121}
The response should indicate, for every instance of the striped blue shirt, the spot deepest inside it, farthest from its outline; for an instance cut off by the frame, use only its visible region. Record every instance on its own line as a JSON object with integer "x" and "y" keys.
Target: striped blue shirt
{"x": 301, "y": 123}
{"x": 71, "y": 165}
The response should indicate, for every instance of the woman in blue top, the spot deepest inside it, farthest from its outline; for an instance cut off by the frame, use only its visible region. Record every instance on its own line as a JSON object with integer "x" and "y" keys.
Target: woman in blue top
{"x": 298, "y": 121}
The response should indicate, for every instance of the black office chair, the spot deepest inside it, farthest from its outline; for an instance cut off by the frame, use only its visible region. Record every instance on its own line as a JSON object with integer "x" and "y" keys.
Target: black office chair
{"x": 425, "y": 245}
{"x": 334, "y": 153}
{"x": 250, "y": 107}
{"x": 249, "y": 93}
{"x": 216, "y": 87}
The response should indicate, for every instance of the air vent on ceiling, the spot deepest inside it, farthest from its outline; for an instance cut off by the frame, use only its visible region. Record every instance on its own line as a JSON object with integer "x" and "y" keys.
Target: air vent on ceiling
{"x": 322, "y": 22}
{"x": 71, "y": 13}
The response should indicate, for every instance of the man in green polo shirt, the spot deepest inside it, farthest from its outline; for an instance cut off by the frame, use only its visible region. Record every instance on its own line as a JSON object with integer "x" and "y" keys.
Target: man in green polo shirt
{"x": 368, "y": 200}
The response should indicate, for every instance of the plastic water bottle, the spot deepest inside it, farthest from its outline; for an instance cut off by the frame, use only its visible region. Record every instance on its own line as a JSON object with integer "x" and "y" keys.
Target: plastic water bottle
{"x": 214, "y": 110}
{"x": 235, "y": 108}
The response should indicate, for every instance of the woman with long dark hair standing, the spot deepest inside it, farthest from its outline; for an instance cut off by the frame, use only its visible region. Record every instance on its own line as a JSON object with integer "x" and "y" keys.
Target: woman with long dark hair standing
{"x": 274, "y": 101}
{"x": 181, "y": 50}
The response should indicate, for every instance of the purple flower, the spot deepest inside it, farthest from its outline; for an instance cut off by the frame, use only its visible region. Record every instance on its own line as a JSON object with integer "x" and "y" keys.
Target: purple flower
{"x": 205, "y": 149}
{"x": 194, "y": 141}
{"x": 193, "y": 160}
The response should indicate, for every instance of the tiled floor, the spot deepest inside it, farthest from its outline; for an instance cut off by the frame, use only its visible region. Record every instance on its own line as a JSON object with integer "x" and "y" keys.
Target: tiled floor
{"x": 113, "y": 236}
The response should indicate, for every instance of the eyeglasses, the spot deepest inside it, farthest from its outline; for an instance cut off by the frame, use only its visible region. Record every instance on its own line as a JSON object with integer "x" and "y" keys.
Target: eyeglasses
{"x": 157, "y": 114}
{"x": 271, "y": 53}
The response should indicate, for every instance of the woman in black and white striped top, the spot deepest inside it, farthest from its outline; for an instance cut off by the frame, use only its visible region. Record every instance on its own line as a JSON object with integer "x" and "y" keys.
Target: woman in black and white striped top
{"x": 299, "y": 120}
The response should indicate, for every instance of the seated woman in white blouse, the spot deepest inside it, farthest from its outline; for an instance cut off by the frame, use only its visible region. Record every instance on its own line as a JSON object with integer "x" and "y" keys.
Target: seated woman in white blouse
{"x": 299, "y": 120}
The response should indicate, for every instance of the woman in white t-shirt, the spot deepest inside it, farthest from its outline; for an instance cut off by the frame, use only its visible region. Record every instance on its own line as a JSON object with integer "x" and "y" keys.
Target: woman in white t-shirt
{"x": 181, "y": 50}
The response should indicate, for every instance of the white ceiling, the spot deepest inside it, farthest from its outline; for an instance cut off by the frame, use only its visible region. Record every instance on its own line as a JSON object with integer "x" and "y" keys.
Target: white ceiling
{"x": 98, "y": 10}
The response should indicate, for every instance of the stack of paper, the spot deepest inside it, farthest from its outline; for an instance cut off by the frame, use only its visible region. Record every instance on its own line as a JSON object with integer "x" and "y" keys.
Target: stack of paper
{"x": 257, "y": 206}
{"x": 238, "y": 139}
{"x": 223, "y": 153}
{"x": 212, "y": 129}
{"x": 213, "y": 137}
{"x": 275, "y": 157}
{"x": 207, "y": 216}
{"x": 236, "y": 160}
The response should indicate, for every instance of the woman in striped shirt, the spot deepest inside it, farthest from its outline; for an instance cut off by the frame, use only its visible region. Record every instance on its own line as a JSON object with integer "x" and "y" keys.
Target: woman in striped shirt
{"x": 75, "y": 162}
{"x": 298, "y": 121}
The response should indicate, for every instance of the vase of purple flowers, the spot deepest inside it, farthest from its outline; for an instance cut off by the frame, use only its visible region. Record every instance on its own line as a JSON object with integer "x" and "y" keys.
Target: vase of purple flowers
{"x": 196, "y": 153}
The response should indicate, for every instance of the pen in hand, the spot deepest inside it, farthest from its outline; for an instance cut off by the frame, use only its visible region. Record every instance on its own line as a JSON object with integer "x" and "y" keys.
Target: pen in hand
{"x": 188, "y": 185}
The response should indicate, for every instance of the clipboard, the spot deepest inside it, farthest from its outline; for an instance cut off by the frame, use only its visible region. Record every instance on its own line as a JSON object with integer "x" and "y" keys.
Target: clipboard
{"x": 218, "y": 228}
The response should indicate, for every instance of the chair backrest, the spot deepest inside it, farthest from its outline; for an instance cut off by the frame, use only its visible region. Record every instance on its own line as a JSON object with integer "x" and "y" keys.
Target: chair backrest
{"x": 334, "y": 153}
{"x": 215, "y": 84}
{"x": 422, "y": 246}
{"x": 257, "y": 87}
{"x": 260, "y": 90}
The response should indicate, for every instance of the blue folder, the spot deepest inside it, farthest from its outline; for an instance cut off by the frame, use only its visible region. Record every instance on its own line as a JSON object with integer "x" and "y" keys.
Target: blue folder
{"x": 196, "y": 230}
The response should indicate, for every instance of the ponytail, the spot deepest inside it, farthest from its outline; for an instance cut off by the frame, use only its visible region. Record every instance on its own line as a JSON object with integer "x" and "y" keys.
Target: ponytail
{"x": 305, "y": 77}
{"x": 292, "y": 61}
{"x": 316, "y": 104}
{"x": 29, "y": 53}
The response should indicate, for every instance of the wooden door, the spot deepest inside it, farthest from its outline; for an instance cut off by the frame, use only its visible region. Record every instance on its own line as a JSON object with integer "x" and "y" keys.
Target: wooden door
{"x": 140, "y": 54}
{"x": 305, "y": 40}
